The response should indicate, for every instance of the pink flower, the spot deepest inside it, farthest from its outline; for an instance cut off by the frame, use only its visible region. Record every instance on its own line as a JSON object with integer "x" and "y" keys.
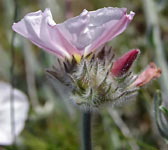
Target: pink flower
{"x": 123, "y": 64}
{"x": 146, "y": 76}
{"x": 79, "y": 35}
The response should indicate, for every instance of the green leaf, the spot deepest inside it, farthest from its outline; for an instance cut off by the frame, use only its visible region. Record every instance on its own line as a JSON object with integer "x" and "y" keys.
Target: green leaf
{"x": 160, "y": 121}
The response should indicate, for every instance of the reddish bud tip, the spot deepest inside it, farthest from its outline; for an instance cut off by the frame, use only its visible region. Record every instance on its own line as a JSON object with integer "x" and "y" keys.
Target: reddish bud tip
{"x": 146, "y": 76}
{"x": 123, "y": 64}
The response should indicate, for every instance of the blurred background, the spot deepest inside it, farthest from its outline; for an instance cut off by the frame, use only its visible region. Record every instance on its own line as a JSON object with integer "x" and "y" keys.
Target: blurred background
{"x": 53, "y": 122}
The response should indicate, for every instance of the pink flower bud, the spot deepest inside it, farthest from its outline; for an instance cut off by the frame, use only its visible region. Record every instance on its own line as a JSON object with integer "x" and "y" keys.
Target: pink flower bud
{"x": 123, "y": 64}
{"x": 146, "y": 76}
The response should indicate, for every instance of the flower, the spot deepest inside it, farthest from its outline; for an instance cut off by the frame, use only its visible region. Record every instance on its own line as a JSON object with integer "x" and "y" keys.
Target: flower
{"x": 93, "y": 77}
{"x": 76, "y": 36}
{"x": 21, "y": 108}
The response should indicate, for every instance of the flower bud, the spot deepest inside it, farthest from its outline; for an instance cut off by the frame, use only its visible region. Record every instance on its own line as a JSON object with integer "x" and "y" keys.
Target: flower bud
{"x": 123, "y": 64}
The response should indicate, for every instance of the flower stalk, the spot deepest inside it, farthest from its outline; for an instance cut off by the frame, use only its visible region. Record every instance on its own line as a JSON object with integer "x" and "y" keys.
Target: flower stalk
{"x": 86, "y": 131}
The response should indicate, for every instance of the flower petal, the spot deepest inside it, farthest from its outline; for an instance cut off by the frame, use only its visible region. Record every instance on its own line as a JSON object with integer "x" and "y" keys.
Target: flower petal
{"x": 150, "y": 73}
{"x": 21, "y": 107}
{"x": 123, "y": 64}
{"x": 39, "y": 27}
{"x": 112, "y": 28}
{"x": 94, "y": 28}
{"x": 78, "y": 35}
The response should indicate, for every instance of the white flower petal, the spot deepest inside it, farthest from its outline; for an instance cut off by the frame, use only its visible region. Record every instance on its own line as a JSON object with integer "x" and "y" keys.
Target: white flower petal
{"x": 21, "y": 107}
